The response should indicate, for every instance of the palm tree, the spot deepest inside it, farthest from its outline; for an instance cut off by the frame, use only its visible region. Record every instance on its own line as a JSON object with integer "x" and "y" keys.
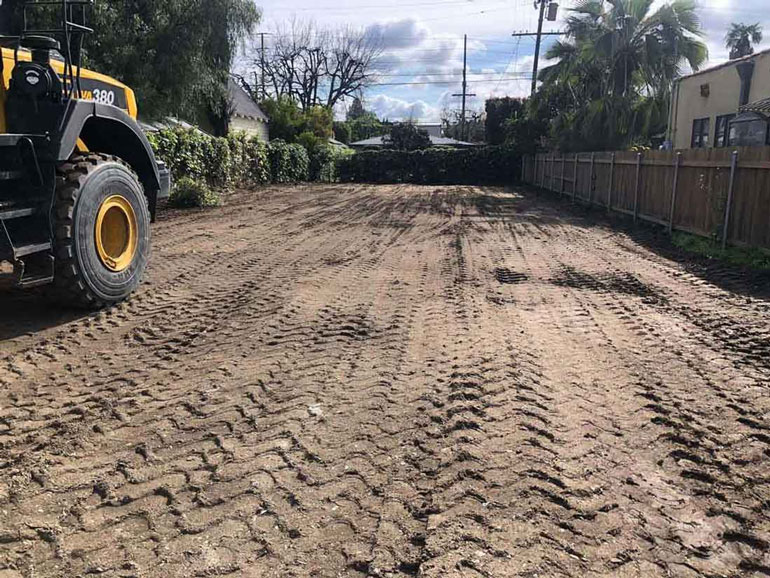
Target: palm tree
{"x": 741, "y": 38}
{"x": 619, "y": 62}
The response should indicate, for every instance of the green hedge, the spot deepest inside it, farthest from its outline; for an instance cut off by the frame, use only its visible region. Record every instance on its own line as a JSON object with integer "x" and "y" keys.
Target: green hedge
{"x": 289, "y": 163}
{"x": 241, "y": 161}
{"x": 479, "y": 165}
{"x": 222, "y": 162}
{"x": 324, "y": 161}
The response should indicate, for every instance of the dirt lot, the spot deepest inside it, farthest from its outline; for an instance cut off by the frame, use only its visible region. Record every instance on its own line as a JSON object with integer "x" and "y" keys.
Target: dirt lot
{"x": 392, "y": 381}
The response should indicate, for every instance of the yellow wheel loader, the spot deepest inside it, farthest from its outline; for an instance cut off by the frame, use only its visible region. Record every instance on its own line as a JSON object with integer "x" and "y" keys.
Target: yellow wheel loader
{"x": 79, "y": 183}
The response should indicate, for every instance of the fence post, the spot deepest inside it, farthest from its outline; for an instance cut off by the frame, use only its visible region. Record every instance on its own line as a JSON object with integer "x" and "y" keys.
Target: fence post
{"x": 542, "y": 180}
{"x": 728, "y": 208}
{"x": 553, "y": 173}
{"x": 541, "y": 172}
{"x": 636, "y": 187}
{"x": 591, "y": 181}
{"x": 677, "y": 162}
{"x": 561, "y": 185}
{"x": 612, "y": 180}
{"x": 574, "y": 177}
{"x": 550, "y": 174}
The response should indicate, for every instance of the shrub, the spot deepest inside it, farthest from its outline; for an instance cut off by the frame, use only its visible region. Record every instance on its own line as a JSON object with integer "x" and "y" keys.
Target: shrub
{"x": 238, "y": 160}
{"x": 406, "y": 136}
{"x": 249, "y": 165}
{"x": 311, "y": 142}
{"x": 189, "y": 192}
{"x": 289, "y": 163}
{"x": 324, "y": 161}
{"x": 342, "y": 131}
{"x": 479, "y": 165}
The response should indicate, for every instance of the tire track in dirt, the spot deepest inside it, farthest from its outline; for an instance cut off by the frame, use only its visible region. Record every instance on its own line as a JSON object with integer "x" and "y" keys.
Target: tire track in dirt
{"x": 392, "y": 381}
{"x": 621, "y": 295}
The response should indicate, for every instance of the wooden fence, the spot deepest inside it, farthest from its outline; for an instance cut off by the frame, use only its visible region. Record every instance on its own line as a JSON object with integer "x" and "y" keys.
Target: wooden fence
{"x": 723, "y": 193}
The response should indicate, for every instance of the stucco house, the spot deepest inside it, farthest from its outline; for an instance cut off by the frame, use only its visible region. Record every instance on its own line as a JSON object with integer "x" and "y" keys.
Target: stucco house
{"x": 247, "y": 116}
{"x": 726, "y": 105}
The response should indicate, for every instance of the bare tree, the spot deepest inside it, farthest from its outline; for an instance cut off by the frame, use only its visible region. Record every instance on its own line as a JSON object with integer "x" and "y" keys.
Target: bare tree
{"x": 315, "y": 66}
{"x": 350, "y": 63}
{"x": 452, "y": 125}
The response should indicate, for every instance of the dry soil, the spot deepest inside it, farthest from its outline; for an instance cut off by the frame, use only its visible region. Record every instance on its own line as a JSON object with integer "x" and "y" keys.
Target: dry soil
{"x": 392, "y": 381}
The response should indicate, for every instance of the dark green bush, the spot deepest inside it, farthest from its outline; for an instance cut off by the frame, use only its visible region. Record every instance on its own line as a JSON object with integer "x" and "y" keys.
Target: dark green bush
{"x": 289, "y": 163}
{"x": 324, "y": 161}
{"x": 249, "y": 160}
{"x": 479, "y": 165}
{"x": 188, "y": 192}
{"x": 237, "y": 160}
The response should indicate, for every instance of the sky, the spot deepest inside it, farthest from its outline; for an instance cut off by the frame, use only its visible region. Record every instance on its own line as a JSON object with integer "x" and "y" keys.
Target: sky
{"x": 421, "y": 66}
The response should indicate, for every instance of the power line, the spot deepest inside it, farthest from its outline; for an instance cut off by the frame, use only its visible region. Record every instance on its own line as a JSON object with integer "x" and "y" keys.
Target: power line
{"x": 378, "y": 6}
{"x": 523, "y": 76}
{"x": 514, "y": 56}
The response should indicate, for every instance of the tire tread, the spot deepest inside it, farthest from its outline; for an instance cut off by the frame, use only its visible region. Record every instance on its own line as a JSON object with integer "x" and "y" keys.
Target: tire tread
{"x": 69, "y": 284}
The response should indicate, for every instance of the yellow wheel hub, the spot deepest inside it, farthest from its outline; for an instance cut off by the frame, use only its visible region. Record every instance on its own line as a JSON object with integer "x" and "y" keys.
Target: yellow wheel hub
{"x": 116, "y": 233}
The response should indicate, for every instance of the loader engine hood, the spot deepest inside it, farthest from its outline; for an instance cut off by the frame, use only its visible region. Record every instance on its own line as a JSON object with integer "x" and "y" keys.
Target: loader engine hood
{"x": 97, "y": 87}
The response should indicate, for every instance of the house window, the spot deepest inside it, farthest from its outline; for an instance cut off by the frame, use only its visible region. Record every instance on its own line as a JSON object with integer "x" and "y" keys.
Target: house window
{"x": 749, "y": 129}
{"x": 700, "y": 133}
{"x": 722, "y": 136}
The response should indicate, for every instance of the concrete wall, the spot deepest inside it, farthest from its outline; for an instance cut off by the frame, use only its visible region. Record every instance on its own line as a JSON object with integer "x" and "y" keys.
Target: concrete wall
{"x": 724, "y": 98}
{"x": 251, "y": 127}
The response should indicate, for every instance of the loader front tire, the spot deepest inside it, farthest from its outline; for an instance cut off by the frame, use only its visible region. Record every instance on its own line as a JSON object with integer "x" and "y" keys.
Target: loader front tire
{"x": 101, "y": 231}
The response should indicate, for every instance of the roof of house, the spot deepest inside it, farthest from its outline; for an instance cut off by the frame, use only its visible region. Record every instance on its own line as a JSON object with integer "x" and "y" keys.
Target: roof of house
{"x": 761, "y": 106}
{"x": 725, "y": 64}
{"x": 378, "y": 141}
{"x": 243, "y": 105}
{"x": 168, "y": 122}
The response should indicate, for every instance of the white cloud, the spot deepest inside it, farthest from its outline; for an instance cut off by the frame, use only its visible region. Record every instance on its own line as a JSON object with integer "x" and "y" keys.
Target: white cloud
{"x": 399, "y": 33}
{"x": 387, "y": 107}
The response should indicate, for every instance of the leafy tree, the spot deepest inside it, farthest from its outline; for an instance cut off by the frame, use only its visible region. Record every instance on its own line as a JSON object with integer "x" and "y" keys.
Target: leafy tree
{"x": 526, "y": 132}
{"x": 319, "y": 120}
{"x": 342, "y": 131}
{"x": 356, "y": 109}
{"x": 286, "y": 118}
{"x": 288, "y": 121}
{"x": 310, "y": 141}
{"x": 499, "y": 112}
{"x": 367, "y": 126}
{"x": 741, "y": 38}
{"x": 406, "y": 136}
{"x": 613, "y": 76}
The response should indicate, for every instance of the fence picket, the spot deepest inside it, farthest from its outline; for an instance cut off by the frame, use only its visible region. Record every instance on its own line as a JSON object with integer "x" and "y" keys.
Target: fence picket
{"x": 692, "y": 200}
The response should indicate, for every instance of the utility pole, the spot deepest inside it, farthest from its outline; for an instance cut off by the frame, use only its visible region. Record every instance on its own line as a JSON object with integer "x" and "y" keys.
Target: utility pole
{"x": 539, "y": 35}
{"x": 537, "y": 43}
{"x": 465, "y": 86}
{"x": 262, "y": 62}
{"x": 263, "y": 89}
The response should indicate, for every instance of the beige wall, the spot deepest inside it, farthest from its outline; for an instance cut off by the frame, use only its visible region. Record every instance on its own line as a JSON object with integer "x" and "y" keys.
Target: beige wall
{"x": 251, "y": 127}
{"x": 724, "y": 96}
